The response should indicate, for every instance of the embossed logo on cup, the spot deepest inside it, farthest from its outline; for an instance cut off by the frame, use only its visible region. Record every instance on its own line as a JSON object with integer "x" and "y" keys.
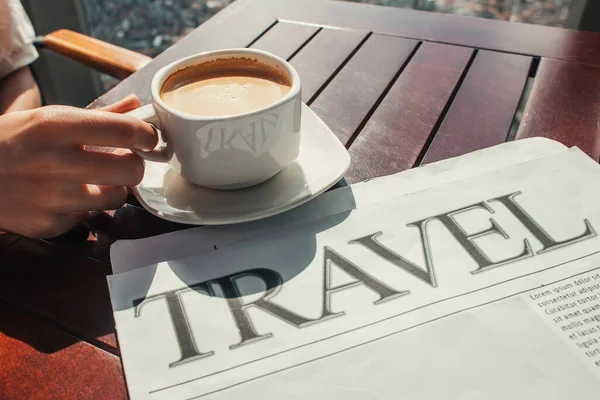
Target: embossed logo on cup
{"x": 254, "y": 134}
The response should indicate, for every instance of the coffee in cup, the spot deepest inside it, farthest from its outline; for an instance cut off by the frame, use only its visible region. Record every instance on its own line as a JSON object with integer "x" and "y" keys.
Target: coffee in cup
{"x": 225, "y": 87}
{"x": 227, "y": 119}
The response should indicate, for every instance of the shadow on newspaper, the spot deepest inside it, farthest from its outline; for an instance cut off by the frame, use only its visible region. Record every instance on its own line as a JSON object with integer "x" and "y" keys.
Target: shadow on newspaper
{"x": 245, "y": 268}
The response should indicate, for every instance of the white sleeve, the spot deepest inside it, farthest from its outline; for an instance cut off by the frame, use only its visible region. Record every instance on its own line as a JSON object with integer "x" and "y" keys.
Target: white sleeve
{"x": 16, "y": 37}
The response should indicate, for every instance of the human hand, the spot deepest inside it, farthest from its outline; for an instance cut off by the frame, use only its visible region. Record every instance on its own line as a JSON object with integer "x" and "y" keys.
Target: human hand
{"x": 48, "y": 181}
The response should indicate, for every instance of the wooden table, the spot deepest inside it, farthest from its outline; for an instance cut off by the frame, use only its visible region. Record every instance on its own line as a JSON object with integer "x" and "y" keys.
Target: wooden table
{"x": 400, "y": 88}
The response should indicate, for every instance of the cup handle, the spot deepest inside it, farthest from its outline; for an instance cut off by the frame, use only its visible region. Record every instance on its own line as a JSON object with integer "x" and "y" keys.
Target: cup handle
{"x": 160, "y": 153}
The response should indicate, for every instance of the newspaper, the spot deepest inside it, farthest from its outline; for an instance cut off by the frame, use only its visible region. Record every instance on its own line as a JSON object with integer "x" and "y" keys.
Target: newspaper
{"x": 483, "y": 287}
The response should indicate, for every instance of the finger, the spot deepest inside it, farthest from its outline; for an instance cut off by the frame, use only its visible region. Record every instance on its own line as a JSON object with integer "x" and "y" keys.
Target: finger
{"x": 97, "y": 168}
{"x": 51, "y": 226}
{"x": 71, "y": 125}
{"x": 54, "y": 197}
{"x": 128, "y": 103}
{"x": 85, "y": 198}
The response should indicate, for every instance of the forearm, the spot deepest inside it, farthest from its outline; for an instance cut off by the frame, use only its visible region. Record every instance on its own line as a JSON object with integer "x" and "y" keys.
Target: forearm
{"x": 18, "y": 92}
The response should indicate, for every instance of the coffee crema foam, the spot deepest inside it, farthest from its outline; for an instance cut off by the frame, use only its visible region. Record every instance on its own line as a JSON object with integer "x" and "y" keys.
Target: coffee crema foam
{"x": 225, "y": 87}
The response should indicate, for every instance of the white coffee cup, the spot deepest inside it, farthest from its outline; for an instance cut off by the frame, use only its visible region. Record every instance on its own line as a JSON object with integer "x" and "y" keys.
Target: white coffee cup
{"x": 228, "y": 152}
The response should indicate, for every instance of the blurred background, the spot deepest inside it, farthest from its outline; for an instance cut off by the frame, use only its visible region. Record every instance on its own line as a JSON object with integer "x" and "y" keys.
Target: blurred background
{"x": 151, "y": 26}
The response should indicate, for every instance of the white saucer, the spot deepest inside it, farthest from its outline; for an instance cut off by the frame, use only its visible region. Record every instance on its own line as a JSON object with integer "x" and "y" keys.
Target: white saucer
{"x": 323, "y": 161}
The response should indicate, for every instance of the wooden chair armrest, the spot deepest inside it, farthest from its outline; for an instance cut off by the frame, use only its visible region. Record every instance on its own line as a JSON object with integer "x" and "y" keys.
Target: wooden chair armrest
{"x": 104, "y": 57}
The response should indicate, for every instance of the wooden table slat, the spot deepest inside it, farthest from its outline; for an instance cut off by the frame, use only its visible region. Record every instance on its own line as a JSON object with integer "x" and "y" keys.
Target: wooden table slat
{"x": 284, "y": 38}
{"x": 564, "y": 105}
{"x": 41, "y": 362}
{"x": 318, "y": 61}
{"x": 60, "y": 286}
{"x": 529, "y": 39}
{"x": 484, "y": 107}
{"x": 355, "y": 90}
{"x": 395, "y": 135}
